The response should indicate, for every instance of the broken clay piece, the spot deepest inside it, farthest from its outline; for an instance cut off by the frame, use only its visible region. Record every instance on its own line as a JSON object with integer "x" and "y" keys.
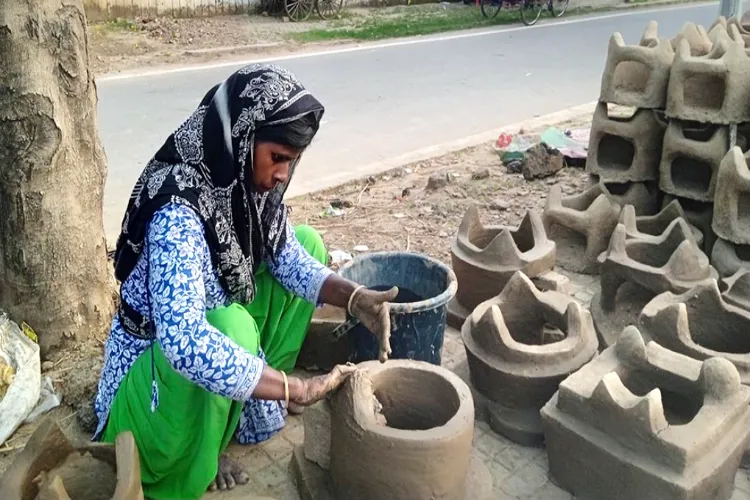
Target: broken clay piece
{"x": 729, "y": 258}
{"x": 731, "y": 220}
{"x": 625, "y": 149}
{"x": 671, "y": 427}
{"x": 651, "y": 227}
{"x": 691, "y": 157}
{"x": 644, "y": 196}
{"x": 423, "y": 452}
{"x": 485, "y": 257}
{"x": 635, "y": 271}
{"x": 580, "y": 226}
{"x": 700, "y": 215}
{"x": 637, "y": 75}
{"x": 50, "y": 464}
{"x": 700, "y": 324}
{"x": 711, "y": 88}
{"x": 520, "y": 345}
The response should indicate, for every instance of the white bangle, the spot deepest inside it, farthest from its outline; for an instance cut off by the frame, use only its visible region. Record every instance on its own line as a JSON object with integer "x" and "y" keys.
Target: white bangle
{"x": 351, "y": 299}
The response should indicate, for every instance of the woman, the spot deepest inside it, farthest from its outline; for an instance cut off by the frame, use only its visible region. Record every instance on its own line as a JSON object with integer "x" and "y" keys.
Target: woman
{"x": 218, "y": 289}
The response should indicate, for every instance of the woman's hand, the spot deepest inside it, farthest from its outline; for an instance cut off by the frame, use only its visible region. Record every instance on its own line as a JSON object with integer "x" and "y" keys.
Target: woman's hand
{"x": 371, "y": 309}
{"x": 368, "y": 306}
{"x": 314, "y": 389}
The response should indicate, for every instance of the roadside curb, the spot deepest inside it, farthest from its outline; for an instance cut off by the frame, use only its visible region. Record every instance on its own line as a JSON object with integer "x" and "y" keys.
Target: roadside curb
{"x": 381, "y": 167}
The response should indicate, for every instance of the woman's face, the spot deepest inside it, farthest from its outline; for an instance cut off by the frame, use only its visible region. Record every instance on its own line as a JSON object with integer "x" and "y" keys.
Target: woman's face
{"x": 271, "y": 164}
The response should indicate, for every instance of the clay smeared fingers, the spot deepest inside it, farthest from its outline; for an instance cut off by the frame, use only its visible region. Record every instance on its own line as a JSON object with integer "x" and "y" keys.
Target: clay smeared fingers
{"x": 339, "y": 375}
{"x": 389, "y": 295}
{"x": 212, "y": 486}
{"x": 385, "y": 333}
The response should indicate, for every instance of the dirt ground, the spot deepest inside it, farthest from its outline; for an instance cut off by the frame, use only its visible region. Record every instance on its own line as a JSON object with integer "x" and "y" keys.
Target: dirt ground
{"x": 156, "y": 41}
{"x": 396, "y": 211}
{"x": 393, "y": 211}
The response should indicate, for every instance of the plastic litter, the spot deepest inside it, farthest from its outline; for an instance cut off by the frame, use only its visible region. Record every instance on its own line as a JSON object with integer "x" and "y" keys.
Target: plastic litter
{"x": 22, "y": 354}
{"x": 48, "y": 399}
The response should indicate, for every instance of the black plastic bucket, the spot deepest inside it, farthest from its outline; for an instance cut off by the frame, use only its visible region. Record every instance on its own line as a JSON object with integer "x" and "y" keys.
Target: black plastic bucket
{"x": 418, "y": 314}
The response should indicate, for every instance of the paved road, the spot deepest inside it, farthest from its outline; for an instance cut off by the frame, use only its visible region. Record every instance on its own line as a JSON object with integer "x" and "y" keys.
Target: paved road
{"x": 389, "y": 100}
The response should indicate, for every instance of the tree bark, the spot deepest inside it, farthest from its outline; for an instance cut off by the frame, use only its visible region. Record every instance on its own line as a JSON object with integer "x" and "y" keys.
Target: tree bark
{"x": 54, "y": 272}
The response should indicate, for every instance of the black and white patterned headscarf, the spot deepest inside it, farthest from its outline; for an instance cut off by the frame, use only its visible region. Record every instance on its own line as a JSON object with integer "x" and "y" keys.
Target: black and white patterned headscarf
{"x": 207, "y": 164}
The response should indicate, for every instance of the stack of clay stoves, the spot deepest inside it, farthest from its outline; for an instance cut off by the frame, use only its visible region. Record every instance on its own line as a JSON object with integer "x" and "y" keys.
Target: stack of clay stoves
{"x": 662, "y": 413}
{"x": 625, "y": 152}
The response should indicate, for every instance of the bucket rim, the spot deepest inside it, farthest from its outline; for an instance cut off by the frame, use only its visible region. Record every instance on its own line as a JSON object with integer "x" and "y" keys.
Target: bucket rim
{"x": 422, "y": 305}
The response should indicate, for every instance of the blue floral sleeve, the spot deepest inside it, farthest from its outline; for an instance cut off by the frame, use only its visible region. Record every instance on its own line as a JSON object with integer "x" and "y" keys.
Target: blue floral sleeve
{"x": 176, "y": 249}
{"x": 297, "y": 270}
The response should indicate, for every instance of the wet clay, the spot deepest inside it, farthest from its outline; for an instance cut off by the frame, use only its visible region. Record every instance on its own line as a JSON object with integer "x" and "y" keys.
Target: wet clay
{"x": 83, "y": 477}
{"x": 519, "y": 346}
{"x": 423, "y": 451}
{"x": 646, "y": 423}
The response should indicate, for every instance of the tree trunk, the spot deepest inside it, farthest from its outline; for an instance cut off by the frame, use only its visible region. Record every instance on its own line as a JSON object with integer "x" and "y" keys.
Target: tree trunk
{"x": 53, "y": 263}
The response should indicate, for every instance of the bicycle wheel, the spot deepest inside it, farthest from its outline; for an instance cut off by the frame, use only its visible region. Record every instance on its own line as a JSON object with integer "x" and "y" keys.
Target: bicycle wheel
{"x": 329, "y": 9}
{"x": 490, "y": 8}
{"x": 298, "y": 10}
{"x": 557, "y": 7}
{"x": 530, "y": 11}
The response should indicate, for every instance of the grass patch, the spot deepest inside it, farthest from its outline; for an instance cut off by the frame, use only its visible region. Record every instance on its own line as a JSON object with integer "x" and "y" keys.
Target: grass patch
{"x": 413, "y": 21}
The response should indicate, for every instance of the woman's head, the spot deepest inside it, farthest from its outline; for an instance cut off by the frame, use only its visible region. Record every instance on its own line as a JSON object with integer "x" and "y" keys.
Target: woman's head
{"x": 278, "y": 146}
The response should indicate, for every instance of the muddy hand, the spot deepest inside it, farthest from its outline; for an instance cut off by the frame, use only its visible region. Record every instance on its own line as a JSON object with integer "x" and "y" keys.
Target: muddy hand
{"x": 371, "y": 309}
{"x": 316, "y": 388}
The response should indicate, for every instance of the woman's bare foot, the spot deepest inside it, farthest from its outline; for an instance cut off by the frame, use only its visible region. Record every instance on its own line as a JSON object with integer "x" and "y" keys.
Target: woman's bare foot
{"x": 229, "y": 475}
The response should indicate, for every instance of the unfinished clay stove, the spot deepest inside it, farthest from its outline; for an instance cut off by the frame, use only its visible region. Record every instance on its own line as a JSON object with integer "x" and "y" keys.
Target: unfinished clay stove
{"x": 732, "y": 201}
{"x": 485, "y": 257}
{"x": 625, "y": 149}
{"x": 644, "y": 196}
{"x": 645, "y": 423}
{"x": 637, "y": 75}
{"x": 728, "y": 258}
{"x": 651, "y": 227}
{"x": 691, "y": 158}
{"x": 401, "y": 430}
{"x": 53, "y": 468}
{"x": 735, "y": 289}
{"x": 711, "y": 88}
{"x": 700, "y": 324}
{"x": 580, "y": 226}
{"x": 700, "y": 215}
{"x": 635, "y": 271}
{"x": 519, "y": 346}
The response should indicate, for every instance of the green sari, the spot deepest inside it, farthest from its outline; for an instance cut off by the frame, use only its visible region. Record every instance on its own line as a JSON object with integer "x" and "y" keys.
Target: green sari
{"x": 180, "y": 442}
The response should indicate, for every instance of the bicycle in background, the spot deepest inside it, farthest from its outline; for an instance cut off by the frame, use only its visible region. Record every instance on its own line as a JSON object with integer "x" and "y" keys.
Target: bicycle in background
{"x": 531, "y": 10}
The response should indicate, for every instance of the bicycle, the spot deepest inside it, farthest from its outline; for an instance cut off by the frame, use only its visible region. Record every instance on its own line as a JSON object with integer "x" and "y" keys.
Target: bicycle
{"x": 531, "y": 10}
{"x": 300, "y": 10}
